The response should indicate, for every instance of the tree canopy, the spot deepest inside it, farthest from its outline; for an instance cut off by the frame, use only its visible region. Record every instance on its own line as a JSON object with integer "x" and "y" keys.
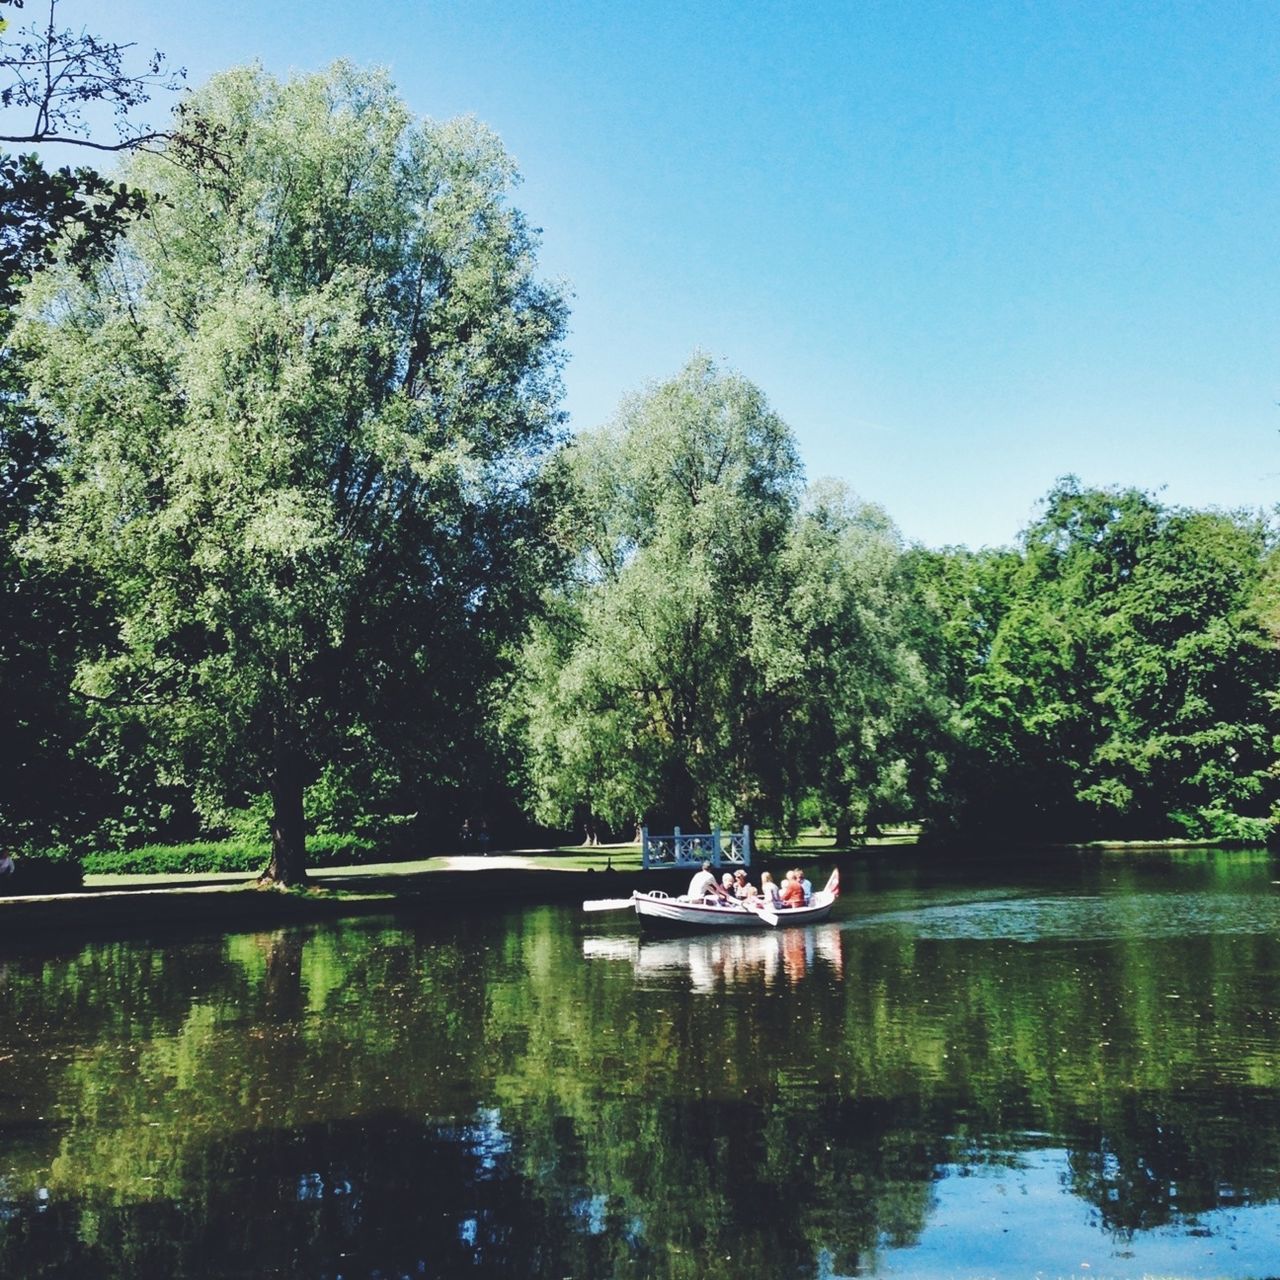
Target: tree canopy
{"x": 301, "y": 411}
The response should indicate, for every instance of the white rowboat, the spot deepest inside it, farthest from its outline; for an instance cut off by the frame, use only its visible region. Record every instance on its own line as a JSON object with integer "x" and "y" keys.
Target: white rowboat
{"x": 659, "y": 911}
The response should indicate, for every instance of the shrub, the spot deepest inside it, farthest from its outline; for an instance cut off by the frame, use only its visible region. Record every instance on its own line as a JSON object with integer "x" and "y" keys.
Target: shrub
{"x": 1221, "y": 824}
{"x": 208, "y": 856}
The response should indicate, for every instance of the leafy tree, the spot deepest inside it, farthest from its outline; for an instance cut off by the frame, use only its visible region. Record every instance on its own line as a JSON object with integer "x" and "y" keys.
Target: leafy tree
{"x": 301, "y": 413}
{"x": 1126, "y": 690}
{"x": 638, "y": 690}
{"x": 50, "y": 792}
{"x": 859, "y": 711}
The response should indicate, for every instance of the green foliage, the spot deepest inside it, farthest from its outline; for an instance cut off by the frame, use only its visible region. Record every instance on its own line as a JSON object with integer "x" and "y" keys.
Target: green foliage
{"x": 1221, "y": 825}
{"x": 225, "y": 855}
{"x": 306, "y": 483}
{"x": 858, "y": 712}
{"x": 1127, "y": 688}
{"x": 636, "y": 694}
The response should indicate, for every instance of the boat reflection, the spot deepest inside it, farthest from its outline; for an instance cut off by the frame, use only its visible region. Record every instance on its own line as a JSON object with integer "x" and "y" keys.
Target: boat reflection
{"x": 714, "y": 961}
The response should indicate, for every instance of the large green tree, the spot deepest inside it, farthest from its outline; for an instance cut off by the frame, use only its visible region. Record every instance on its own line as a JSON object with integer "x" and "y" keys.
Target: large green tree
{"x": 300, "y": 414}
{"x": 639, "y": 694}
{"x": 1127, "y": 688}
{"x": 859, "y": 712}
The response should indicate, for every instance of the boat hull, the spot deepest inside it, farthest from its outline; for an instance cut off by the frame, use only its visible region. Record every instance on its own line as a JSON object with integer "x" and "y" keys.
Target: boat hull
{"x": 660, "y": 914}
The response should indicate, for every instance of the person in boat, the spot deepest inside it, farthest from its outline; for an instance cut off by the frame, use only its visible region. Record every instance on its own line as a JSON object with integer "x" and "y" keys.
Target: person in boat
{"x": 807, "y": 885}
{"x": 791, "y": 893}
{"x": 702, "y": 884}
{"x": 769, "y": 891}
{"x": 742, "y": 887}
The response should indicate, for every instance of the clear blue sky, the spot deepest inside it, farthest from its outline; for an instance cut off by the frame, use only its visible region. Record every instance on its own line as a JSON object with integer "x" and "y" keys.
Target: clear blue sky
{"x": 964, "y": 248}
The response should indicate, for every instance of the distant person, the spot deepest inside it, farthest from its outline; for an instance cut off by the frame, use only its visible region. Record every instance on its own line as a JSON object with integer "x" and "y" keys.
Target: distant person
{"x": 6, "y": 863}
{"x": 703, "y": 883}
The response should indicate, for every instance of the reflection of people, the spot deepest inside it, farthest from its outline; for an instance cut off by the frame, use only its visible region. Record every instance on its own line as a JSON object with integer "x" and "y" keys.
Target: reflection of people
{"x": 6, "y": 863}
{"x": 703, "y": 883}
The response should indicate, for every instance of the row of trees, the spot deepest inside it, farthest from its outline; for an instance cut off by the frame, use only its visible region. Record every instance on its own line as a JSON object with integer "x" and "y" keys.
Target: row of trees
{"x": 289, "y": 522}
{"x": 728, "y": 645}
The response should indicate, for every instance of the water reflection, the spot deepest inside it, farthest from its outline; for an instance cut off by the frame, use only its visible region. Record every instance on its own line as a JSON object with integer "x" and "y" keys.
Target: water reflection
{"x": 712, "y": 962}
{"x": 945, "y": 1080}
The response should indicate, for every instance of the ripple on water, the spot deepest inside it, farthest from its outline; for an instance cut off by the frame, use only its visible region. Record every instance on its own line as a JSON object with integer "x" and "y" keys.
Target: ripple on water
{"x": 1075, "y": 917}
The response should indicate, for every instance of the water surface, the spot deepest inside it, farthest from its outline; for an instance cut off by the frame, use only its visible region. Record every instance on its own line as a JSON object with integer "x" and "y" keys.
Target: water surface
{"x": 969, "y": 1071}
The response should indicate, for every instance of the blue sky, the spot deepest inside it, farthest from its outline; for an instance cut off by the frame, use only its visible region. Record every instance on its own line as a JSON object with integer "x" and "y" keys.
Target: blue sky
{"x": 964, "y": 248}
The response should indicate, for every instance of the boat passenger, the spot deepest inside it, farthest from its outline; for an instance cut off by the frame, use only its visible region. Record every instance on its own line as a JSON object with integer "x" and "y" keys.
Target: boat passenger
{"x": 769, "y": 890}
{"x": 807, "y": 885}
{"x": 741, "y": 887}
{"x": 702, "y": 884}
{"x": 792, "y": 894}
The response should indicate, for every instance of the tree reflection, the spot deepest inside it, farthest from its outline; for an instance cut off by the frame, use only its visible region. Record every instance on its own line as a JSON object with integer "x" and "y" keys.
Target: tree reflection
{"x": 481, "y": 1095}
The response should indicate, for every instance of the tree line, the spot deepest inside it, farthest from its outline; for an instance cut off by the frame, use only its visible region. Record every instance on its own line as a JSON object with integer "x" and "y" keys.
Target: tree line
{"x": 294, "y": 535}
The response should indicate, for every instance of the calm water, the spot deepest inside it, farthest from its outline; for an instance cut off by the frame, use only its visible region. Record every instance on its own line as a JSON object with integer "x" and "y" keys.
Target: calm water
{"x": 978, "y": 1073}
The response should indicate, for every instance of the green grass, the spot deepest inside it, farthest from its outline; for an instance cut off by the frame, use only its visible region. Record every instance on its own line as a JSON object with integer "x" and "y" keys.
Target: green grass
{"x": 246, "y": 857}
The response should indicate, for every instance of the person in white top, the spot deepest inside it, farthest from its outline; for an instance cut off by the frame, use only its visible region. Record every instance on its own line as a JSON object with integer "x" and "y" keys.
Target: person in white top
{"x": 769, "y": 891}
{"x": 702, "y": 884}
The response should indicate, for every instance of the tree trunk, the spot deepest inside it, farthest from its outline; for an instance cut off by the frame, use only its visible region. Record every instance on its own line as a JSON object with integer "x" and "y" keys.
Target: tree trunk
{"x": 844, "y": 831}
{"x": 288, "y": 864}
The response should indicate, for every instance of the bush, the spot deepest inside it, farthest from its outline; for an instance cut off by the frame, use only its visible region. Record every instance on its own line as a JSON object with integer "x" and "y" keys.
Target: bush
{"x": 207, "y": 856}
{"x": 1221, "y": 824}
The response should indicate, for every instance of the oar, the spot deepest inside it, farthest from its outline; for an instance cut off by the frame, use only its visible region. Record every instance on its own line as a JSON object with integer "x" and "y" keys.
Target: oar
{"x": 608, "y": 904}
{"x": 764, "y": 911}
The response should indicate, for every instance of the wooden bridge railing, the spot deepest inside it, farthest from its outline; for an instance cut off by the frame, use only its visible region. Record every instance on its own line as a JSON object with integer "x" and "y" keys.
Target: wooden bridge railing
{"x": 732, "y": 848}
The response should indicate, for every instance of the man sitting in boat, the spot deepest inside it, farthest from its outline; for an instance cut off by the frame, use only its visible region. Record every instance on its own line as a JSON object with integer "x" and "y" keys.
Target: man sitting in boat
{"x": 702, "y": 885}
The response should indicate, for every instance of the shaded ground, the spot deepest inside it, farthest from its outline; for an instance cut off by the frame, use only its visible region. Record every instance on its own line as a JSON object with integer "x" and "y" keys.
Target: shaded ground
{"x": 233, "y": 900}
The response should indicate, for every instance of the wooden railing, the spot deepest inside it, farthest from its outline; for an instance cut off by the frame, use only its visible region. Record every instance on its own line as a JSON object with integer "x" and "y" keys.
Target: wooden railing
{"x": 720, "y": 848}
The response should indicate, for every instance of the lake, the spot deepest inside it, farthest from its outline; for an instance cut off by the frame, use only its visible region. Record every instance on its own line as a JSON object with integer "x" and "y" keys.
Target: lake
{"x": 1058, "y": 1067}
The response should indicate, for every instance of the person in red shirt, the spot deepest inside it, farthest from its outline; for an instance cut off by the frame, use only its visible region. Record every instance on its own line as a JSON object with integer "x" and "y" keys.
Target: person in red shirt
{"x": 792, "y": 891}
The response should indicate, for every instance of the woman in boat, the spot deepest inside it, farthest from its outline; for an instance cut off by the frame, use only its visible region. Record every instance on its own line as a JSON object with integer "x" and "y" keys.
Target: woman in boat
{"x": 742, "y": 888}
{"x": 769, "y": 891}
